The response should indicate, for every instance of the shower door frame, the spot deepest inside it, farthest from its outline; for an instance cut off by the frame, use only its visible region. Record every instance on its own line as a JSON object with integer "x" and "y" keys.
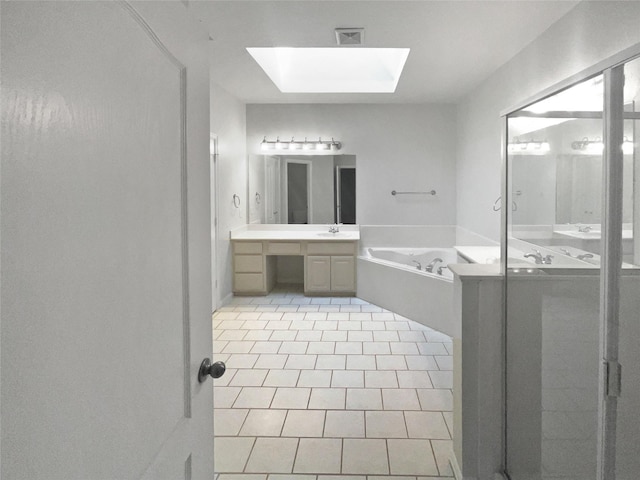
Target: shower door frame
{"x": 613, "y": 115}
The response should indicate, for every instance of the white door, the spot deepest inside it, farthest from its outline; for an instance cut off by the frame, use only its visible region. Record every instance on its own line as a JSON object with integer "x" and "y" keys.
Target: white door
{"x": 272, "y": 189}
{"x": 213, "y": 166}
{"x": 105, "y": 286}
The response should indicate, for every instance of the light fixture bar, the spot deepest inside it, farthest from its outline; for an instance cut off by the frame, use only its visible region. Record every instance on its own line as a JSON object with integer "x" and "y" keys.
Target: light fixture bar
{"x": 596, "y": 146}
{"x": 295, "y": 145}
{"x": 530, "y": 147}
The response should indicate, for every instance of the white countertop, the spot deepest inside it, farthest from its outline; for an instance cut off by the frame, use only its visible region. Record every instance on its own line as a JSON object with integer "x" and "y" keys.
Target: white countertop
{"x": 320, "y": 233}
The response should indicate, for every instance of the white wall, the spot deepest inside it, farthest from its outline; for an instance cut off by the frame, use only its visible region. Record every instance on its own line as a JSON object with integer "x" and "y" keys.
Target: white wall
{"x": 588, "y": 34}
{"x": 228, "y": 122}
{"x": 397, "y": 147}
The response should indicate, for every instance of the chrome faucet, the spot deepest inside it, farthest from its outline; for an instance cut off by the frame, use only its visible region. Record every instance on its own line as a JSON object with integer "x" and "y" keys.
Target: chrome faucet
{"x": 441, "y": 268}
{"x": 584, "y": 228}
{"x": 419, "y": 264}
{"x": 335, "y": 228}
{"x": 429, "y": 268}
{"x": 584, "y": 255}
{"x": 539, "y": 258}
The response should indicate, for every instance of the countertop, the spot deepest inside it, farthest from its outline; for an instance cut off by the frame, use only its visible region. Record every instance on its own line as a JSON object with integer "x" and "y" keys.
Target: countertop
{"x": 318, "y": 233}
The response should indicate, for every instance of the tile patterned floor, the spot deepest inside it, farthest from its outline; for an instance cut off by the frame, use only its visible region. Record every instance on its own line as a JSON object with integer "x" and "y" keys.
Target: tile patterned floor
{"x": 323, "y": 388}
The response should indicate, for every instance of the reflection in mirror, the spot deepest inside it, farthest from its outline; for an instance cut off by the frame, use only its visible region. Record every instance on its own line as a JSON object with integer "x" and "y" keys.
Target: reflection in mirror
{"x": 300, "y": 189}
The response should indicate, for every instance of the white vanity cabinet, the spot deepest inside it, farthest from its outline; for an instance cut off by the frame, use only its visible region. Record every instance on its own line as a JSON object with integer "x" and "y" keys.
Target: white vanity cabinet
{"x": 329, "y": 266}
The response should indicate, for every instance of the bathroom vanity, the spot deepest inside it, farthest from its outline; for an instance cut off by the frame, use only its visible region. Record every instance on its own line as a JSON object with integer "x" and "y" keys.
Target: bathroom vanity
{"x": 328, "y": 258}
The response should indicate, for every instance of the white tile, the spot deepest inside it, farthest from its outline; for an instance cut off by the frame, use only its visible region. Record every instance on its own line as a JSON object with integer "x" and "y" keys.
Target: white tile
{"x": 326, "y": 325}
{"x": 380, "y": 424}
{"x": 391, "y": 362}
{"x": 262, "y": 458}
{"x": 411, "y": 336}
{"x": 372, "y": 325}
{"x": 266, "y": 347}
{"x": 308, "y": 336}
{"x": 359, "y": 336}
{"x": 385, "y": 336}
{"x": 358, "y": 301}
{"x": 434, "y": 336}
{"x": 315, "y": 316}
{"x": 334, "y": 336}
{"x": 414, "y": 379}
{"x": 364, "y": 456}
{"x": 283, "y": 335}
{"x": 349, "y": 347}
{"x": 248, "y": 315}
{"x": 379, "y": 379}
{"x": 327, "y": 398}
{"x": 263, "y": 423}
{"x": 426, "y": 425}
{"x": 301, "y": 361}
{"x": 329, "y": 308}
{"x": 293, "y": 347}
{"x": 304, "y": 423}
{"x": 241, "y": 476}
{"x": 371, "y": 308}
{"x": 382, "y": 316}
{"x": 227, "y": 421}
{"x": 271, "y": 316}
{"x": 230, "y": 454}
{"x": 292, "y": 476}
{"x": 231, "y": 324}
{"x": 338, "y": 316}
{"x": 411, "y": 457}
{"x": 238, "y": 347}
{"x": 223, "y": 397}
{"x": 349, "y": 325}
{"x": 400, "y": 399}
{"x": 404, "y": 348}
{"x": 224, "y": 380}
{"x": 232, "y": 334}
{"x": 282, "y": 378}
{"x": 255, "y": 397}
{"x": 287, "y": 308}
{"x": 321, "y": 301}
{"x": 248, "y": 378}
{"x": 314, "y": 378}
{"x": 268, "y": 360}
{"x": 364, "y": 399}
{"x": 442, "y": 450}
{"x": 350, "y": 308}
{"x": 301, "y": 325}
{"x": 278, "y": 324}
{"x": 221, "y": 315}
{"x": 421, "y": 362}
{"x": 347, "y": 378}
{"x": 318, "y": 455}
{"x": 219, "y": 345}
{"x": 291, "y": 398}
{"x": 397, "y": 325}
{"x": 361, "y": 362}
{"x": 340, "y": 301}
{"x": 344, "y": 424}
{"x": 300, "y": 301}
{"x": 445, "y": 362}
{"x": 258, "y": 335}
{"x": 441, "y": 379}
{"x": 293, "y": 316}
{"x": 309, "y": 308}
{"x": 254, "y": 324}
{"x": 372, "y": 348}
{"x": 321, "y": 347}
{"x": 361, "y": 317}
{"x": 436, "y": 399}
{"x": 241, "y": 360}
{"x": 331, "y": 362}
{"x": 448, "y": 419}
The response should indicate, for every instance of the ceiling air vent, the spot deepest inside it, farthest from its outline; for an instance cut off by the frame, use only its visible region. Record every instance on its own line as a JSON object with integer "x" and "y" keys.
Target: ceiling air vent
{"x": 350, "y": 36}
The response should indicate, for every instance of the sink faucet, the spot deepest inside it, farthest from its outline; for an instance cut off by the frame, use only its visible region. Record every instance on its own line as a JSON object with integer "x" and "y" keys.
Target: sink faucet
{"x": 335, "y": 228}
{"x": 419, "y": 264}
{"x": 429, "y": 268}
{"x": 539, "y": 258}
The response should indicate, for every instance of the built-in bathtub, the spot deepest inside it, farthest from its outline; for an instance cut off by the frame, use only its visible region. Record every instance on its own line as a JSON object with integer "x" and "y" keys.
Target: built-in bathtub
{"x": 388, "y": 275}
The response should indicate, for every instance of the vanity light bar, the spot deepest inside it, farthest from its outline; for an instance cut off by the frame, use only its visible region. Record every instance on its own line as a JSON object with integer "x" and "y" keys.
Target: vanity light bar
{"x": 532, "y": 147}
{"x": 318, "y": 145}
{"x": 597, "y": 146}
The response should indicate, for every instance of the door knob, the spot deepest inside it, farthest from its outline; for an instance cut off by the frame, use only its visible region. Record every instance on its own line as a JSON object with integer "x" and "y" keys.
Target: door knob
{"x": 215, "y": 370}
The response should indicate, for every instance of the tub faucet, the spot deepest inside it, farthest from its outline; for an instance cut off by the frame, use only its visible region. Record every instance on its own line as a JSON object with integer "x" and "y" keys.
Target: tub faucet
{"x": 584, "y": 228}
{"x": 585, "y": 255}
{"x": 539, "y": 258}
{"x": 429, "y": 268}
{"x": 419, "y": 267}
{"x": 335, "y": 228}
{"x": 441, "y": 268}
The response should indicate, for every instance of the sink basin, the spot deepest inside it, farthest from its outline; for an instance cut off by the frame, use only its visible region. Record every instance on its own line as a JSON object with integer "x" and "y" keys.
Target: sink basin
{"x": 333, "y": 235}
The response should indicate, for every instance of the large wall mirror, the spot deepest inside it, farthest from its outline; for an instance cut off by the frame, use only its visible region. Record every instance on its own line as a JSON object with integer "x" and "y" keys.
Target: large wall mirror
{"x": 302, "y": 189}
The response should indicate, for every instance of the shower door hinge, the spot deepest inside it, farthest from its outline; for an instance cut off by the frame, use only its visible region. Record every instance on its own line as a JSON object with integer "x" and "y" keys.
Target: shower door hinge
{"x": 613, "y": 371}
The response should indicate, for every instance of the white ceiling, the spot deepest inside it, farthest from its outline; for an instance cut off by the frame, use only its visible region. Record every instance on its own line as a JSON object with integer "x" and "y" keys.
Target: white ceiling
{"x": 454, "y": 45}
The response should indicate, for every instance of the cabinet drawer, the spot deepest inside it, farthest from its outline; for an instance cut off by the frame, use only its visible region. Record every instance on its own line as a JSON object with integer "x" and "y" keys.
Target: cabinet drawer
{"x": 248, "y": 263}
{"x": 248, "y": 282}
{"x": 247, "y": 247}
{"x": 331, "y": 248}
{"x": 283, "y": 248}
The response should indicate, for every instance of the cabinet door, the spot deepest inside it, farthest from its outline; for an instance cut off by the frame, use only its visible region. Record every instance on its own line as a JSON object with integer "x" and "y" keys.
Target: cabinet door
{"x": 318, "y": 274}
{"x": 343, "y": 274}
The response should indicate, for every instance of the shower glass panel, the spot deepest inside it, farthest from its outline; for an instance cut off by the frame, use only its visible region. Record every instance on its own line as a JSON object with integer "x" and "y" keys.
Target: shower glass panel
{"x": 628, "y": 421}
{"x": 554, "y": 216}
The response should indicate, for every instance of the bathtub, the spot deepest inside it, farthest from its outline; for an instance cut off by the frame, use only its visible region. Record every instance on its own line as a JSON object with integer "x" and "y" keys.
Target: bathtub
{"x": 389, "y": 277}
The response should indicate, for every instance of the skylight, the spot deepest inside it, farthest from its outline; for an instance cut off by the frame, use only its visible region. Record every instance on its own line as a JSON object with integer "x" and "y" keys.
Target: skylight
{"x": 332, "y": 70}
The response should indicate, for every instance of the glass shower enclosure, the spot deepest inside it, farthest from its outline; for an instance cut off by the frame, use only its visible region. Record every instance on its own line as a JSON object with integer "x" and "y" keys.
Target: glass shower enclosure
{"x": 571, "y": 258}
